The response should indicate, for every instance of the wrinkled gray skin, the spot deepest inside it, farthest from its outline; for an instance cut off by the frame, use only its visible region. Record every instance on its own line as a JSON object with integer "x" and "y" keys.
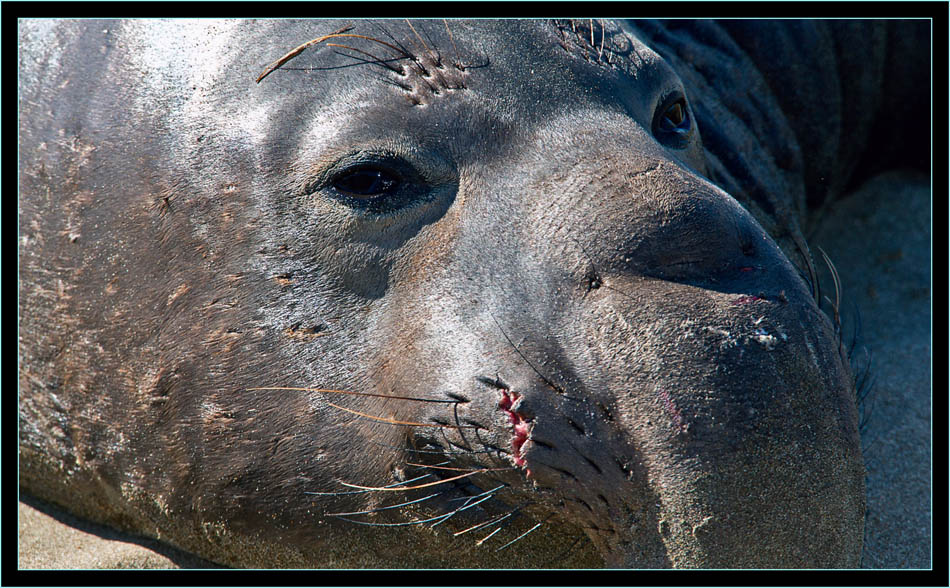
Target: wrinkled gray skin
{"x": 184, "y": 242}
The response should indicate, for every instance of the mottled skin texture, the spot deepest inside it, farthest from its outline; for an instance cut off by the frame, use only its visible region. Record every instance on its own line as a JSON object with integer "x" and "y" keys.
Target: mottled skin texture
{"x": 549, "y": 261}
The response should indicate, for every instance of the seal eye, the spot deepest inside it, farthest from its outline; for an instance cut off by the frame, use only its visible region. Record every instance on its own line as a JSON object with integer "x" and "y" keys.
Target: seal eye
{"x": 366, "y": 183}
{"x": 674, "y": 119}
{"x": 672, "y": 125}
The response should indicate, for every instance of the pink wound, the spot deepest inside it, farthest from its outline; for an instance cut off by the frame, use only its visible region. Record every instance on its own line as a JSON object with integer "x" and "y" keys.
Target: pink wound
{"x": 747, "y": 299}
{"x": 674, "y": 412}
{"x": 519, "y": 424}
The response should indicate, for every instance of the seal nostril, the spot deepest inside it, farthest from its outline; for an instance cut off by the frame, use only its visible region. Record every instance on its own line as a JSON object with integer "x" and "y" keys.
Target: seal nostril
{"x": 627, "y": 472}
{"x": 608, "y": 416}
{"x": 593, "y": 282}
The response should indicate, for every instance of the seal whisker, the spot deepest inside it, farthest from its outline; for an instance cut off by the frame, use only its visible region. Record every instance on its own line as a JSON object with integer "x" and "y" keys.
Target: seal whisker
{"x": 812, "y": 278}
{"x": 442, "y": 467}
{"x": 522, "y": 355}
{"x": 521, "y": 536}
{"x": 863, "y": 386}
{"x": 300, "y": 49}
{"x": 395, "y": 41}
{"x": 458, "y": 60}
{"x": 856, "y": 331}
{"x": 489, "y": 536}
{"x": 406, "y": 524}
{"x": 434, "y": 49}
{"x": 837, "y": 284}
{"x": 382, "y": 508}
{"x": 505, "y": 522}
{"x": 425, "y": 50}
{"x": 393, "y": 421}
{"x": 392, "y": 489}
{"x": 404, "y": 87}
{"x": 350, "y": 393}
{"x": 466, "y": 506}
{"x": 494, "y": 450}
{"x": 434, "y": 465}
{"x": 409, "y": 54}
{"x": 466, "y": 451}
{"x": 455, "y": 416}
{"x": 432, "y": 53}
{"x": 487, "y": 523}
{"x": 367, "y": 490}
{"x": 297, "y": 51}
{"x": 603, "y": 37}
{"x": 376, "y": 60}
{"x": 486, "y": 492}
{"x": 430, "y": 451}
{"x": 418, "y": 36}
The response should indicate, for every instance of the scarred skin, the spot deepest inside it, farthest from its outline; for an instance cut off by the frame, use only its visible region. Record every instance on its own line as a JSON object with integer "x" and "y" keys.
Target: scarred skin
{"x": 563, "y": 306}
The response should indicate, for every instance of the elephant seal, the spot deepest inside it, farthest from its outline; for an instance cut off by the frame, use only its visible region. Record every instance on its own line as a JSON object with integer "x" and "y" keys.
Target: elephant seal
{"x": 446, "y": 294}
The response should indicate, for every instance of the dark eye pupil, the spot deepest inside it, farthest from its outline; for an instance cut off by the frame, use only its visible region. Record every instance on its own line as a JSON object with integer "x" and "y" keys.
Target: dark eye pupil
{"x": 366, "y": 182}
{"x": 675, "y": 114}
{"x": 674, "y": 119}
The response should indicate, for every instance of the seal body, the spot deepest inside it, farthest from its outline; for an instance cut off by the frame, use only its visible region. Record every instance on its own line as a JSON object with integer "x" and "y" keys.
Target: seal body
{"x": 434, "y": 294}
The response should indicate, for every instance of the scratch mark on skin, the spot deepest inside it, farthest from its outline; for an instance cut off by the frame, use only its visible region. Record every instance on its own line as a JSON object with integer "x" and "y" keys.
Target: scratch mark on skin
{"x": 674, "y": 412}
{"x": 747, "y": 300}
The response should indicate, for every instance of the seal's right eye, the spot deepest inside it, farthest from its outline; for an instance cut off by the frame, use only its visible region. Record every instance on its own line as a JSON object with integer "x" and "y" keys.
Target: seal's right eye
{"x": 366, "y": 183}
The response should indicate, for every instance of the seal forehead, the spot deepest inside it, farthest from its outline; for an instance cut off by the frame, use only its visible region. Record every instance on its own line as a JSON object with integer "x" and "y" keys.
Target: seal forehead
{"x": 183, "y": 67}
{"x": 431, "y": 62}
{"x": 454, "y": 86}
{"x": 174, "y": 54}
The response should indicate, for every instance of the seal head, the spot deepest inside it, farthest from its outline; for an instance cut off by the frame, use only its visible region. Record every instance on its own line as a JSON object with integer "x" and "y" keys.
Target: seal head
{"x": 428, "y": 288}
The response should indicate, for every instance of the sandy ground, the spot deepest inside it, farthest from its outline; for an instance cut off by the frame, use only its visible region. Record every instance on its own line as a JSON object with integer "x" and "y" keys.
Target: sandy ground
{"x": 52, "y": 539}
{"x": 879, "y": 240}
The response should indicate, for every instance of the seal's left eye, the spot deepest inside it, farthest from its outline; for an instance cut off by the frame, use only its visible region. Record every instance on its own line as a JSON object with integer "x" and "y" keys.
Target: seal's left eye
{"x": 672, "y": 125}
{"x": 675, "y": 119}
{"x": 366, "y": 183}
